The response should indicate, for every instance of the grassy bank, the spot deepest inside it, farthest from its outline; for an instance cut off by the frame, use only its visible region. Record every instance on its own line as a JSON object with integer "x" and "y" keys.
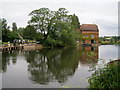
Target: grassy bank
{"x": 109, "y": 43}
{"x": 107, "y": 77}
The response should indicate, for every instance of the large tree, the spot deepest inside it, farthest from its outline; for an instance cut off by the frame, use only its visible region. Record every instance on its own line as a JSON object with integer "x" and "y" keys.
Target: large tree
{"x": 5, "y": 30}
{"x": 14, "y": 26}
{"x": 52, "y": 24}
{"x": 40, "y": 19}
{"x": 75, "y": 21}
{"x": 29, "y": 33}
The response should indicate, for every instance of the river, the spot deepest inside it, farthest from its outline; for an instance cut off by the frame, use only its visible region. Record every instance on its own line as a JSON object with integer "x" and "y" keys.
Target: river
{"x": 54, "y": 68}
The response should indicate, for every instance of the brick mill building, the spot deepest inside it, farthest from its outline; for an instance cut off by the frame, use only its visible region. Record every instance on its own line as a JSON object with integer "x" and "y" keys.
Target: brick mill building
{"x": 89, "y": 34}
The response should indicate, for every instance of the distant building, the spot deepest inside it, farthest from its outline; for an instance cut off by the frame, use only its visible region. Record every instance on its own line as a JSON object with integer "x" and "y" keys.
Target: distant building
{"x": 90, "y": 34}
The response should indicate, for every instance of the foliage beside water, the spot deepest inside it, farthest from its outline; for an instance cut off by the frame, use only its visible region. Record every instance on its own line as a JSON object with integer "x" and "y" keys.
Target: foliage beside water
{"x": 110, "y": 40}
{"x": 107, "y": 77}
{"x": 50, "y": 28}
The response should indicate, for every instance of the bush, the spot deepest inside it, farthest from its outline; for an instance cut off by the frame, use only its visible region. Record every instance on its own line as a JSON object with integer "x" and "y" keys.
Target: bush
{"x": 107, "y": 77}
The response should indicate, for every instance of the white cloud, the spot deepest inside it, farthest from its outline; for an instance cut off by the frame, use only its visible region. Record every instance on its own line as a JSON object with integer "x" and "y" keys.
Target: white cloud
{"x": 88, "y": 11}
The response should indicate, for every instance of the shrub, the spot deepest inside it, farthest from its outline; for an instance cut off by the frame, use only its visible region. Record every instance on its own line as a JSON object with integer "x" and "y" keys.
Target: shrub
{"x": 107, "y": 77}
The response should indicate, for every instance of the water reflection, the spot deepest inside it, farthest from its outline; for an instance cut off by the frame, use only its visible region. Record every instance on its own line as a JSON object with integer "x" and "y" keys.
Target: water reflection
{"x": 89, "y": 54}
{"x": 6, "y": 57}
{"x": 51, "y": 65}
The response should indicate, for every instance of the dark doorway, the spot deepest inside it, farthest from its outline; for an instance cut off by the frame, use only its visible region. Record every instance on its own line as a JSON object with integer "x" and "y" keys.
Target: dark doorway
{"x": 92, "y": 41}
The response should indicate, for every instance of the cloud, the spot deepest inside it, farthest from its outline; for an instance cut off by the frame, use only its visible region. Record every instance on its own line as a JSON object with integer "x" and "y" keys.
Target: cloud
{"x": 107, "y": 28}
{"x": 104, "y": 13}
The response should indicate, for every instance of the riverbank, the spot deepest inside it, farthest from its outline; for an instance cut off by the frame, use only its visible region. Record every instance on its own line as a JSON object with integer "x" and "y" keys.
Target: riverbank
{"x": 109, "y": 43}
{"x": 10, "y": 46}
{"x": 107, "y": 77}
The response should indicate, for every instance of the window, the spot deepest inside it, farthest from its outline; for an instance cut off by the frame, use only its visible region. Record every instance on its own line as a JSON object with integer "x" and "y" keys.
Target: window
{"x": 86, "y": 36}
{"x": 93, "y": 41}
{"x": 83, "y": 41}
{"x": 92, "y": 36}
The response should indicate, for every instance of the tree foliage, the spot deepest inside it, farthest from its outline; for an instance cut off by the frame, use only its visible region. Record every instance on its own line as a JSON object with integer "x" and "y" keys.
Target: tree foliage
{"x": 55, "y": 27}
{"x": 29, "y": 32}
{"x": 5, "y": 30}
{"x": 14, "y": 26}
{"x": 7, "y": 34}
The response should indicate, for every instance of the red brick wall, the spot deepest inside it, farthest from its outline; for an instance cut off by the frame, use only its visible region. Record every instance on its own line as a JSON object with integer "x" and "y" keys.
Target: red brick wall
{"x": 88, "y": 41}
{"x": 89, "y": 33}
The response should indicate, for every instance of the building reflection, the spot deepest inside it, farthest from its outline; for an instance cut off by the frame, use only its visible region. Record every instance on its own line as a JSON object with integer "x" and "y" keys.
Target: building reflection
{"x": 88, "y": 54}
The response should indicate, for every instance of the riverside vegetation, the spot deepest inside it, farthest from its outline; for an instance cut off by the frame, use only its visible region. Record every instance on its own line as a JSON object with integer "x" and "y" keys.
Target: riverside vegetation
{"x": 50, "y": 28}
{"x": 109, "y": 40}
{"x": 107, "y": 77}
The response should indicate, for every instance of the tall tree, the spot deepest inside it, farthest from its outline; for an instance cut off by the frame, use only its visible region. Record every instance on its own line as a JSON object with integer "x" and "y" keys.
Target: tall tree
{"x": 5, "y": 30}
{"x": 14, "y": 26}
{"x": 39, "y": 19}
{"x": 75, "y": 21}
{"x": 52, "y": 24}
{"x": 29, "y": 33}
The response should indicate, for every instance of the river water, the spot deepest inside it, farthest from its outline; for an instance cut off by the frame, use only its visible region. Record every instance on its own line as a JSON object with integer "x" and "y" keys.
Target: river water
{"x": 54, "y": 68}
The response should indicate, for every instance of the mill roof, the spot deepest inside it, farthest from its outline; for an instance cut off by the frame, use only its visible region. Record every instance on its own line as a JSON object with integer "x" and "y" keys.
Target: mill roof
{"x": 89, "y": 27}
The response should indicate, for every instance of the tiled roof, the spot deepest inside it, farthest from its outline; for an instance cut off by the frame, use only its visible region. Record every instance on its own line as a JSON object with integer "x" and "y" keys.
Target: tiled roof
{"x": 91, "y": 27}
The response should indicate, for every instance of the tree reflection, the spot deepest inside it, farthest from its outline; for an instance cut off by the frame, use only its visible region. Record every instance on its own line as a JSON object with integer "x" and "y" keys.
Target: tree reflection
{"x": 38, "y": 67}
{"x": 64, "y": 64}
{"x": 48, "y": 65}
{"x": 7, "y": 57}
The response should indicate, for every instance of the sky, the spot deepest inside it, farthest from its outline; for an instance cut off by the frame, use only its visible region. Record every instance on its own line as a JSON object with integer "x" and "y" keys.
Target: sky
{"x": 104, "y": 13}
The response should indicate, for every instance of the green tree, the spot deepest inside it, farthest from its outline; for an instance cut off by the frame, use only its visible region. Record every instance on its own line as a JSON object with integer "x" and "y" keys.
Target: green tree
{"x": 12, "y": 35}
{"x": 40, "y": 19}
{"x": 14, "y": 26}
{"x": 29, "y": 33}
{"x": 75, "y": 21}
{"x": 20, "y": 30}
{"x": 5, "y": 30}
{"x": 51, "y": 26}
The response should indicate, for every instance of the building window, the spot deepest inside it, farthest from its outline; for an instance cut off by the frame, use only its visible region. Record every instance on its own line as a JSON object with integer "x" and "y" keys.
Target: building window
{"x": 83, "y": 41}
{"x": 93, "y": 41}
{"x": 92, "y": 36}
{"x": 86, "y": 36}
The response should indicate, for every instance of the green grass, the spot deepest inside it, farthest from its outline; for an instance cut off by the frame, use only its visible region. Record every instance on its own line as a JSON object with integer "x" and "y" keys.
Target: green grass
{"x": 4, "y": 42}
{"x": 107, "y": 77}
{"x": 109, "y": 43}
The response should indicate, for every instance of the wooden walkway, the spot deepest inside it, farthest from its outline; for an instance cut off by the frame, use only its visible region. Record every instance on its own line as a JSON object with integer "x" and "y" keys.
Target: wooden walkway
{"x": 11, "y": 47}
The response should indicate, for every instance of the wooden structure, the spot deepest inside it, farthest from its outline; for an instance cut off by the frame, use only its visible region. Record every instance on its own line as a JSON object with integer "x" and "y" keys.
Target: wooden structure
{"x": 10, "y": 47}
{"x": 90, "y": 34}
{"x": 32, "y": 47}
